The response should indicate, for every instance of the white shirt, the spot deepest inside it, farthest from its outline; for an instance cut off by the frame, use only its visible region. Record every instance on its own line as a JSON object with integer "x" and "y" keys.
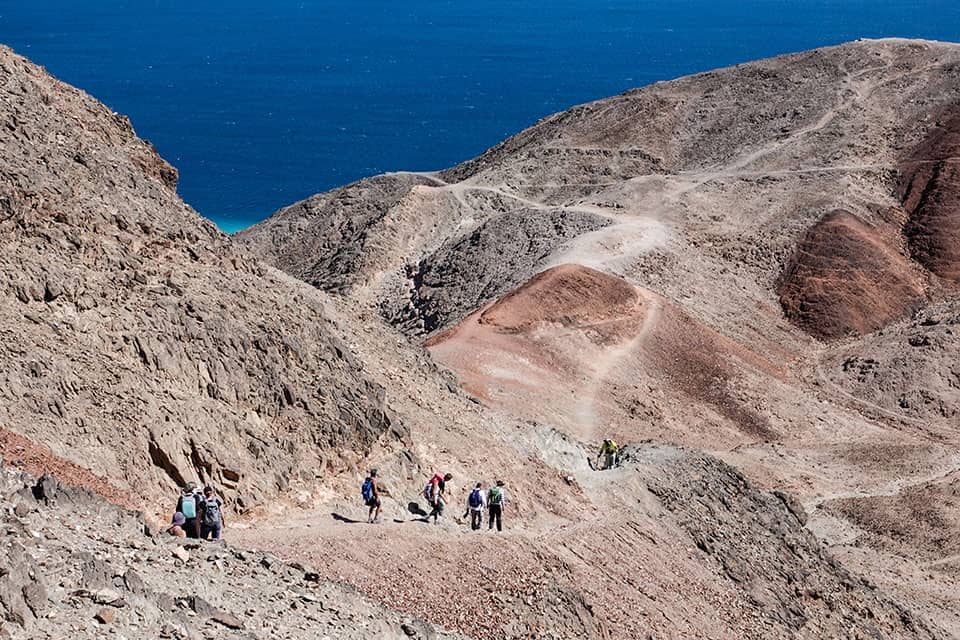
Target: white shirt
{"x": 483, "y": 501}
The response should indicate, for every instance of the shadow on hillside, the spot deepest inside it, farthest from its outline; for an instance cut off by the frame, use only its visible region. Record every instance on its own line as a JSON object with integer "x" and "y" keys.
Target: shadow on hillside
{"x": 340, "y": 518}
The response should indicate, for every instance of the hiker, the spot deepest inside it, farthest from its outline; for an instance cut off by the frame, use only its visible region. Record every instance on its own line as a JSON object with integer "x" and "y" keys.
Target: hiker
{"x": 176, "y": 526}
{"x": 476, "y": 503}
{"x": 496, "y": 501}
{"x": 211, "y": 515}
{"x": 608, "y": 451}
{"x": 370, "y": 491}
{"x": 189, "y": 506}
{"x": 435, "y": 494}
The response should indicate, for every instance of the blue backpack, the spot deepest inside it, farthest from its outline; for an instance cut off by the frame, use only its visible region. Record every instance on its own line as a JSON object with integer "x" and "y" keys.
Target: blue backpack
{"x": 476, "y": 499}
{"x": 367, "y": 490}
{"x": 188, "y": 506}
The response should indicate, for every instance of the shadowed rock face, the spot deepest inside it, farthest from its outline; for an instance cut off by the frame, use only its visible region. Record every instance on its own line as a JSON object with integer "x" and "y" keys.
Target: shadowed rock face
{"x": 471, "y": 270}
{"x": 930, "y": 188}
{"x": 759, "y": 539}
{"x": 847, "y": 279}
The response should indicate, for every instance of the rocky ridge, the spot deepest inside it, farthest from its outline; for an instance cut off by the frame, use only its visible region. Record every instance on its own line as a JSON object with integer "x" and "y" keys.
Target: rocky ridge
{"x": 136, "y": 342}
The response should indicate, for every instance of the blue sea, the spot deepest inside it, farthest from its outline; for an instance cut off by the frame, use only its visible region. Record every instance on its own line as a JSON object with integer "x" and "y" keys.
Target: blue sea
{"x": 260, "y": 104}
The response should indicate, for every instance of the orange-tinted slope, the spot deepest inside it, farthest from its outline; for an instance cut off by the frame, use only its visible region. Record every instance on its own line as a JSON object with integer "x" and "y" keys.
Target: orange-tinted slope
{"x": 846, "y": 278}
{"x": 589, "y": 352}
{"x": 18, "y": 451}
{"x": 607, "y": 307}
{"x": 705, "y": 366}
{"x": 930, "y": 188}
{"x": 542, "y": 343}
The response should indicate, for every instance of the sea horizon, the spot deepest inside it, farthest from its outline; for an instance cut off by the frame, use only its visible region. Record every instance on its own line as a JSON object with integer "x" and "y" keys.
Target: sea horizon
{"x": 261, "y": 106}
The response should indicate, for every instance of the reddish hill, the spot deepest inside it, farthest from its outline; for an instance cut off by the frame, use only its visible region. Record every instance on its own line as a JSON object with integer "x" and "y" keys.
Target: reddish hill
{"x": 572, "y": 346}
{"x": 930, "y": 189}
{"x": 847, "y": 278}
{"x": 573, "y": 296}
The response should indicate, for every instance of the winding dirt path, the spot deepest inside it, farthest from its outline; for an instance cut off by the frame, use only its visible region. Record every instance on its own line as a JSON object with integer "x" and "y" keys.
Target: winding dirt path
{"x": 586, "y": 412}
{"x": 893, "y": 488}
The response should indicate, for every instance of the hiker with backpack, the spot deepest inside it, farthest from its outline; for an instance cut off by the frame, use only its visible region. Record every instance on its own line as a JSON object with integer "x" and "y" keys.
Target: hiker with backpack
{"x": 189, "y": 506}
{"x": 211, "y": 515}
{"x": 435, "y": 494}
{"x": 496, "y": 501}
{"x": 608, "y": 451}
{"x": 476, "y": 503}
{"x": 370, "y": 492}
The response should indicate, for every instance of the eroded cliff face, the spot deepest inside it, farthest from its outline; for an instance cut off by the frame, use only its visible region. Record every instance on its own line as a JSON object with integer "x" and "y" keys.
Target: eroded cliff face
{"x": 136, "y": 342}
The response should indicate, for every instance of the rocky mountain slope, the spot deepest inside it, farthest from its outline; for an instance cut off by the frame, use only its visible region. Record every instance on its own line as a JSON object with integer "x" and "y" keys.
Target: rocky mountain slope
{"x": 732, "y": 272}
{"x": 75, "y": 565}
{"x": 675, "y": 544}
{"x": 136, "y": 342}
{"x": 755, "y": 261}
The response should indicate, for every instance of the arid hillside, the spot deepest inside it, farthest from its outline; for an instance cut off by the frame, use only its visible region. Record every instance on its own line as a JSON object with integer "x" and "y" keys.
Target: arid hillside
{"x": 757, "y": 261}
{"x": 136, "y": 342}
{"x": 728, "y": 273}
{"x": 74, "y": 566}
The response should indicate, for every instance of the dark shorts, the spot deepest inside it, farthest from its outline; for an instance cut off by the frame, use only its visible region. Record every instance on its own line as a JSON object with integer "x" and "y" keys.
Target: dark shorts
{"x": 373, "y": 502}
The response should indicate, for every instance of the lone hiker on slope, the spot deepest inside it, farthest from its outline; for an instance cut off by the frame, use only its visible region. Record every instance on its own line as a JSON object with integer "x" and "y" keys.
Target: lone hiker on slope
{"x": 496, "y": 501}
{"x": 608, "y": 451}
{"x": 434, "y": 492}
{"x": 370, "y": 492}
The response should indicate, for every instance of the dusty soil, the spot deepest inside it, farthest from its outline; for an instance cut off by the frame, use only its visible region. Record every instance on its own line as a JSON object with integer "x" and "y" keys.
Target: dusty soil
{"x": 612, "y": 271}
{"x": 721, "y": 196}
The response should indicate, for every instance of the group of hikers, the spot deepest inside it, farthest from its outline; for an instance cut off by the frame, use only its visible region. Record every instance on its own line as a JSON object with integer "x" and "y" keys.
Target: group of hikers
{"x": 199, "y": 514}
{"x": 493, "y": 500}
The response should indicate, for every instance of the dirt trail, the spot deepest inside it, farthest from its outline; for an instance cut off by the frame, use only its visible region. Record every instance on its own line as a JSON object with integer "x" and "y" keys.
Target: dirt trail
{"x": 893, "y": 488}
{"x": 587, "y": 409}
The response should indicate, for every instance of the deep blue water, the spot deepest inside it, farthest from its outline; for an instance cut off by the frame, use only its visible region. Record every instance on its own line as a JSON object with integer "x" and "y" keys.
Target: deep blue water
{"x": 260, "y": 104}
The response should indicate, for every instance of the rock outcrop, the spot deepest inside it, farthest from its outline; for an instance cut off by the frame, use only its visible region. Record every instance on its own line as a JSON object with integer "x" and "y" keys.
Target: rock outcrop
{"x": 471, "y": 270}
{"x": 758, "y": 541}
{"x": 75, "y": 565}
{"x": 137, "y": 343}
